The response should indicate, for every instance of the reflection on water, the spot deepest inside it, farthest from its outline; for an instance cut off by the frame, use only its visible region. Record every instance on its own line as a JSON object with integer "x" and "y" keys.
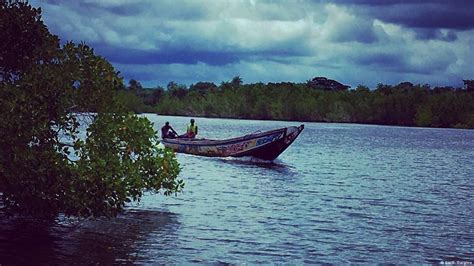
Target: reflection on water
{"x": 276, "y": 165}
{"x": 340, "y": 193}
{"x": 105, "y": 241}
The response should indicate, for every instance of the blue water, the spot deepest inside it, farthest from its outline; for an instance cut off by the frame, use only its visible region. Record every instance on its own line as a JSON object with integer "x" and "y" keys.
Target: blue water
{"x": 342, "y": 193}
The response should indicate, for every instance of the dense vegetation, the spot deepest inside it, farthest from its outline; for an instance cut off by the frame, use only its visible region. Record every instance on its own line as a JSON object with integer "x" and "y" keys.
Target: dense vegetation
{"x": 404, "y": 104}
{"x": 48, "y": 164}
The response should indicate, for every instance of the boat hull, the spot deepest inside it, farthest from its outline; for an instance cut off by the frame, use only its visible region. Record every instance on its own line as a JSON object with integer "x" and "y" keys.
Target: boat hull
{"x": 266, "y": 145}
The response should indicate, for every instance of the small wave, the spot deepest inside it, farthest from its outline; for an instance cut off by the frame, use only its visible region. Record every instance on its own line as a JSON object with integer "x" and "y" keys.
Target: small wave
{"x": 358, "y": 215}
{"x": 261, "y": 253}
{"x": 328, "y": 230}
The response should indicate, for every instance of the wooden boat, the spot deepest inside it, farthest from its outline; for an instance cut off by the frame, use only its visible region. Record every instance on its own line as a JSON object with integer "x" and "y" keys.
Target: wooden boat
{"x": 265, "y": 145}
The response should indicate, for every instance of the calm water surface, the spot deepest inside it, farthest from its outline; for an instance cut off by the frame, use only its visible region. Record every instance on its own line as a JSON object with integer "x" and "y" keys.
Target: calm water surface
{"x": 342, "y": 193}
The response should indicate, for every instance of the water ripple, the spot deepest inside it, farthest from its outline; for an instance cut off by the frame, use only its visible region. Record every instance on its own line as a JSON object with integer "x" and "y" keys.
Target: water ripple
{"x": 341, "y": 194}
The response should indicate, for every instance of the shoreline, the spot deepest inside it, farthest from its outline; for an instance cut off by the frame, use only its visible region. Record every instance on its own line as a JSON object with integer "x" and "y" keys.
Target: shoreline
{"x": 309, "y": 121}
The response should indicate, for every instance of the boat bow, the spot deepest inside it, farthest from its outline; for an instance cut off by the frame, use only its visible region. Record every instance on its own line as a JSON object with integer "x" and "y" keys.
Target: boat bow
{"x": 266, "y": 145}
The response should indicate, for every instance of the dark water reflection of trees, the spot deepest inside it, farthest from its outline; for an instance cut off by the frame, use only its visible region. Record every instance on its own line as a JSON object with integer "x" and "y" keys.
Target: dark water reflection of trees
{"x": 105, "y": 241}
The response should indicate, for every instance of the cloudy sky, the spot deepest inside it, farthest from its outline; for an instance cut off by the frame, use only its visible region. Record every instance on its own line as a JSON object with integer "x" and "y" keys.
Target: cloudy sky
{"x": 352, "y": 41}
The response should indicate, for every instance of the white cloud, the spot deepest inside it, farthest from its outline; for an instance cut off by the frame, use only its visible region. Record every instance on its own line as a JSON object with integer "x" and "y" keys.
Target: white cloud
{"x": 343, "y": 26}
{"x": 266, "y": 41}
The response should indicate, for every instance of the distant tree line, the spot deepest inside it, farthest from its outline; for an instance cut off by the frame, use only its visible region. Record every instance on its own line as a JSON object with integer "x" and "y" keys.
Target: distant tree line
{"x": 318, "y": 100}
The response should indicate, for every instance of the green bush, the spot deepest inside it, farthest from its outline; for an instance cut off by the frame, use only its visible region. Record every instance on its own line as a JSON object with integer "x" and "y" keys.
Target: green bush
{"x": 46, "y": 166}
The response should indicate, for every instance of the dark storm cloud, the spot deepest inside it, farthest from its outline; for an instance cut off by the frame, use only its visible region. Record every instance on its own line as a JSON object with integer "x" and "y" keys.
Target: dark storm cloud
{"x": 354, "y": 41}
{"x": 123, "y": 55}
{"x": 126, "y": 9}
{"x": 429, "y": 16}
{"x": 430, "y": 34}
{"x": 132, "y": 56}
{"x": 192, "y": 10}
{"x": 391, "y": 61}
{"x": 396, "y": 2}
{"x": 420, "y": 14}
{"x": 405, "y": 61}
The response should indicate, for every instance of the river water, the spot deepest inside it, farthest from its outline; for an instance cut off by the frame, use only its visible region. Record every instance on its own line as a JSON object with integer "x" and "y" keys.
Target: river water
{"x": 342, "y": 193}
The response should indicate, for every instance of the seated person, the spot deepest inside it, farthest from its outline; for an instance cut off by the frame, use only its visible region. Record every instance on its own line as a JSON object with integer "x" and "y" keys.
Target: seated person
{"x": 168, "y": 132}
{"x": 191, "y": 130}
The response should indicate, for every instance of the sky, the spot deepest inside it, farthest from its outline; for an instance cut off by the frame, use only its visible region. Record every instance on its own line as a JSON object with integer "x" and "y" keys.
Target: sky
{"x": 352, "y": 41}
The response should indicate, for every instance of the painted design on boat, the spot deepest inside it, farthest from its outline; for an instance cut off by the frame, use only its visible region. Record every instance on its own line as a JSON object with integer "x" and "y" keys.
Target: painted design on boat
{"x": 265, "y": 145}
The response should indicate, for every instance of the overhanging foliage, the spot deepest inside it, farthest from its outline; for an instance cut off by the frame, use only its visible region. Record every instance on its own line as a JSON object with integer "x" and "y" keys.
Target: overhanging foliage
{"x": 46, "y": 166}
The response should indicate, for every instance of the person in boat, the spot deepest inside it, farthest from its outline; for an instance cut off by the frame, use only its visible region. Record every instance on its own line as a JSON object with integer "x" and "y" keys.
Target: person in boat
{"x": 167, "y": 132}
{"x": 191, "y": 130}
